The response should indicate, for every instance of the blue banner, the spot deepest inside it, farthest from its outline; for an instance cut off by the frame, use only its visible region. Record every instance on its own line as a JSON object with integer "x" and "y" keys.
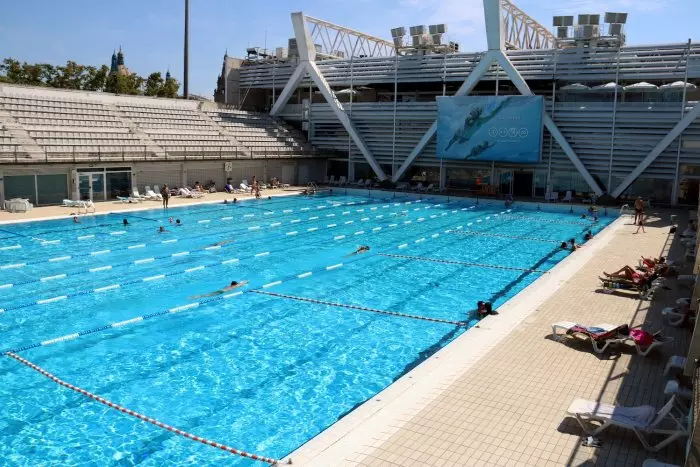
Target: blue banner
{"x": 490, "y": 128}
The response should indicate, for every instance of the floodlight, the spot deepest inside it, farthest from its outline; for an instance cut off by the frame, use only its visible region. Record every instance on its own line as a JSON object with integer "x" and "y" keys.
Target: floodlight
{"x": 593, "y": 20}
{"x": 615, "y": 29}
{"x": 562, "y": 32}
{"x": 616, "y": 17}
{"x": 437, "y": 38}
{"x": 417, "y": 30}
{"x": 398, "y": 42}
{"x": 437, "y": 29}
{"x": 398, "y": 32}
{"x": 583, "y": 20}
{"x": 417, "y": 41}
{"x": 568, "y": 20}
{"x": 252, "y": 50}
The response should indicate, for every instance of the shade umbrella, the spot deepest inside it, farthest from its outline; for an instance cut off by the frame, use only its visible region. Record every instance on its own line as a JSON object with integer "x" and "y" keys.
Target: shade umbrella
{"x": 575, "y": 87}
{"x": 643, "y": 86}
{"x": 607, "y": 87}
{"x": 678, "y": 86}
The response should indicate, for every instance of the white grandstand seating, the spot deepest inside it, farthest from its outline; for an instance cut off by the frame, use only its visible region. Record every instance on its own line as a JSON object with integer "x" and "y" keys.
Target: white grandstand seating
{"x": 100, "y": 126}
{"x": 260, "y": 132}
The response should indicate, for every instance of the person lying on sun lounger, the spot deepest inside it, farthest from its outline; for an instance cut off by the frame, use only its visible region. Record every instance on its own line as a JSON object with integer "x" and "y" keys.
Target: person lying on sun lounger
{"x": 651, "y": 262}
{"x": 234, "y": 285}
{"x": 627, "y": 273}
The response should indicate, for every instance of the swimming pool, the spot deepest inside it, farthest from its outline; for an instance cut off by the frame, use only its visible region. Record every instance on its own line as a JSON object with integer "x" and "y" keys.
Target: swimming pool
{"x": 262, "y": 368}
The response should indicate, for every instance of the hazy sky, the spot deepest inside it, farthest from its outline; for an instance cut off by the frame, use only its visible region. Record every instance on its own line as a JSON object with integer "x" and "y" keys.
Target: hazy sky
{"x": 151, "y": 35}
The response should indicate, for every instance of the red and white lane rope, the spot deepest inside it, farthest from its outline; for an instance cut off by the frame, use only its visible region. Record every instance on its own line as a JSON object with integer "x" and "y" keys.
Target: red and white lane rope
{"x": 362, "y": 308}
{"x": 150, "y": 420}
{"x": 461, "y": 263}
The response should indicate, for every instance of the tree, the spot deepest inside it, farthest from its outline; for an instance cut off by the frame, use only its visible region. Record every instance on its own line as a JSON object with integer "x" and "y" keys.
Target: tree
{"x": 95, "y": 78}
{"x": 154, "y": 84}
{"x": 70, "y": 76}
{"x": 12, "y": 70}
{"x": 170, "y": 88}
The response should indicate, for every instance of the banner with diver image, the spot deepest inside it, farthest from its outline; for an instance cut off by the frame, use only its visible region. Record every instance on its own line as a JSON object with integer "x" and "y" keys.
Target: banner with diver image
{"x": 490, "y": 128}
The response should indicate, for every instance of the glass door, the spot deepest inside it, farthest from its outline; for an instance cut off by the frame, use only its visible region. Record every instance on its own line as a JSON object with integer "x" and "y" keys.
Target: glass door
{"x": 84, "y": 186}
{"x": 91, "y": 186}
{"x": 505, "y": 186}
{"x": 98, "y": 186}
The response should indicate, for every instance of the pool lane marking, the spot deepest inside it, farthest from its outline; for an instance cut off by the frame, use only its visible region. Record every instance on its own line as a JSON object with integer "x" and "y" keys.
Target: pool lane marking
{"x": 161, "y": 276}
{"x": 356, "y": 307}
{"x": 461, "y": 263}
{"x": 160, "y": 313}
{"x": 17, "y": 265}
{"x": 140, "y": 416}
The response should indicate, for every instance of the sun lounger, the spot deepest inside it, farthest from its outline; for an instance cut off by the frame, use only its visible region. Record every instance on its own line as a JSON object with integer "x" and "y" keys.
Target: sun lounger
{"x": 604, "y": 335}
{"x": 129, "y": 199}
{"x": 150, "y": 194}
{"x": 601, "y": 335}
{"x": 644, "y": 420}
{"x": 655, "y": 463}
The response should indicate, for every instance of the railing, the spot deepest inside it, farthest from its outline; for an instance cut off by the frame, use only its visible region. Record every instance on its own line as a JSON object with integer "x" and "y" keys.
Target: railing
{"x": 132, "y": 154}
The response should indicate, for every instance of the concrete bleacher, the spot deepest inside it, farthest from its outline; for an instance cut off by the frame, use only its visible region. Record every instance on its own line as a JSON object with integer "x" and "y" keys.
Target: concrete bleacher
{"x": 260, "y": 132}
{"x": 47, "y": 125}
{"x": 177, "y": 130}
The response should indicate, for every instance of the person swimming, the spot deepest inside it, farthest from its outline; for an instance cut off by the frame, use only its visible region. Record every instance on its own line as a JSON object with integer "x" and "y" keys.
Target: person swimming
{"x": 224, "y": 242}
{"x": 483, "y": 309}
{"x": 177, "y": 223}
{"x": 161, "y": 229}
{"x": 233, "y": 285}
{"x": 588, "y": 236}
{"x": 361, "y": 249}
{"x": 564, "y": 245}
{"x": 76, "y": 220}
{"x": 125, "y": 222}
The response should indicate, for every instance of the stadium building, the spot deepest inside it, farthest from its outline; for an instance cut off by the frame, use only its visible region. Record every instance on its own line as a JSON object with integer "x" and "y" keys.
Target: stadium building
{"x": 623, "y": 119}
{"x": 337, "y": 102}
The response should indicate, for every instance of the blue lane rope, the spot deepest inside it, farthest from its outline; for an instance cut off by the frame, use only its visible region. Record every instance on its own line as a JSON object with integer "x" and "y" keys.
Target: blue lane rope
{"x": 461, "y": 263}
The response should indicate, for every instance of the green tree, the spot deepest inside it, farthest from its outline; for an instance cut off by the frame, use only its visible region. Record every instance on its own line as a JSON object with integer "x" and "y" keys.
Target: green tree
{"x": 70, "y": 76}
{"x": 32, "y": 74}
{"x": 170, "y": 88}
{"x": 48, "y": 74}
{"x": 154, "y": 84}
{"x": 12, "y": 70}
{"x": 119, "y": 84}
{"x": 96, "y": 78}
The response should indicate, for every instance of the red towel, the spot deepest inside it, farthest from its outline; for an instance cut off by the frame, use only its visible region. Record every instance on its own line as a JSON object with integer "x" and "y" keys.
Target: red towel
{"x": 642, "y": 338}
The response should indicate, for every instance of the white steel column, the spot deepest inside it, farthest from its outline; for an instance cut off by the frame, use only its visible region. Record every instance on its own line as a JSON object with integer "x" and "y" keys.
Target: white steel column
{"x": 676, "y": 178}
{"x": 307, "y": 64}
{"x": 658, "y": 149}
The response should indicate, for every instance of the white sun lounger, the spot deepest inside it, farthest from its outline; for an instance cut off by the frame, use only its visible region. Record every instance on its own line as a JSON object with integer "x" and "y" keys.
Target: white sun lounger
{"x": 600, "y": 345}
{"x": 644, "y": 420}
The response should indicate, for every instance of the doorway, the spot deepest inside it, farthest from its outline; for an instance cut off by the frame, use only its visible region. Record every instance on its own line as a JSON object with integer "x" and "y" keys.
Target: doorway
{"x": 522, "y": 183}
{"x": 91, "y": 186}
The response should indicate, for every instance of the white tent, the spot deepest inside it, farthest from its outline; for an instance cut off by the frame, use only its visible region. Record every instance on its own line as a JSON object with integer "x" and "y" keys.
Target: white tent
{"x": 607, "y": 87}
{"x": 678, "y": 86}
{"x": 643, "y": 87}
{"x": 575, "y": 87}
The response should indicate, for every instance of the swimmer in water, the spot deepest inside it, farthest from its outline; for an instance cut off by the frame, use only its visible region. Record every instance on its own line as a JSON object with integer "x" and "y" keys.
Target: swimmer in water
{"x": 234, "y": 285}
{"x": 76, "y": 220}
{"x": 177, "y": 223}
{"x": 225, "y": 242}
{"x": 125, "y": 222}
{"x": 362, "y": 249}
{"x": 161, "y": 229}
{"x": 170, "y": 219}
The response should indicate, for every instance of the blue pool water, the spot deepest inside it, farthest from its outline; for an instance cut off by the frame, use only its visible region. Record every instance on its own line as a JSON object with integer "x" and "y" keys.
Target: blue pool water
{"x": 257, "y": 372}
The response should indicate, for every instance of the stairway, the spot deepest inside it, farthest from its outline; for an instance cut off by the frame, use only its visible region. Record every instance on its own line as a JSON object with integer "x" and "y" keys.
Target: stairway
{"x": 244, "y": 150}
{"x": 151, "y": 146}
{"x": 28, "y": 147}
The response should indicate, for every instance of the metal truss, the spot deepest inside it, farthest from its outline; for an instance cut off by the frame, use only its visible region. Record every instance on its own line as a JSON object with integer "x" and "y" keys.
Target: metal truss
{"x": 338, "y": 41}
{"x": 522, "y": 31}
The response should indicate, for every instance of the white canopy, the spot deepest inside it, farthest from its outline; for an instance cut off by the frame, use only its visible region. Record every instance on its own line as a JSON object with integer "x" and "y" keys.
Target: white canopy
{"x": 678, "y": 85}
{"x": 575, "y": 87}
{"x": 643, "y": 86}
{"x": 607, "y": 87}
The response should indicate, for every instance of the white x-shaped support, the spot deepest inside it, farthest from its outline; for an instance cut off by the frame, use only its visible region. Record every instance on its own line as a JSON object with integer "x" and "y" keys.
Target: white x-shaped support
{"x": 474, "y": 77}
{"x": 307, "y": 65}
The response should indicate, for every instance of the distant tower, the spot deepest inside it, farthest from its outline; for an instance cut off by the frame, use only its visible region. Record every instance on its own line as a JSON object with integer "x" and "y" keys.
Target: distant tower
{"x": 113, "y": 68}
{"x": 167, "y": 75}
{"x": 120, "y": 57}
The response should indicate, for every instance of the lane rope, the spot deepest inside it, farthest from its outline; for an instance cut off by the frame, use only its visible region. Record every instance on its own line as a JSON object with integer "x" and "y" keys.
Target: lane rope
{"x": 152, "y": 421}
{"x": 356, "y": 307}
{"x": 461, "y": 263}
{"x": 483, "y": 234}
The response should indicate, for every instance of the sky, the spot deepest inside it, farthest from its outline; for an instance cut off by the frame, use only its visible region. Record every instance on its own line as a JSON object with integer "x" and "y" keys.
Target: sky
{"x": 150, "y": 32}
